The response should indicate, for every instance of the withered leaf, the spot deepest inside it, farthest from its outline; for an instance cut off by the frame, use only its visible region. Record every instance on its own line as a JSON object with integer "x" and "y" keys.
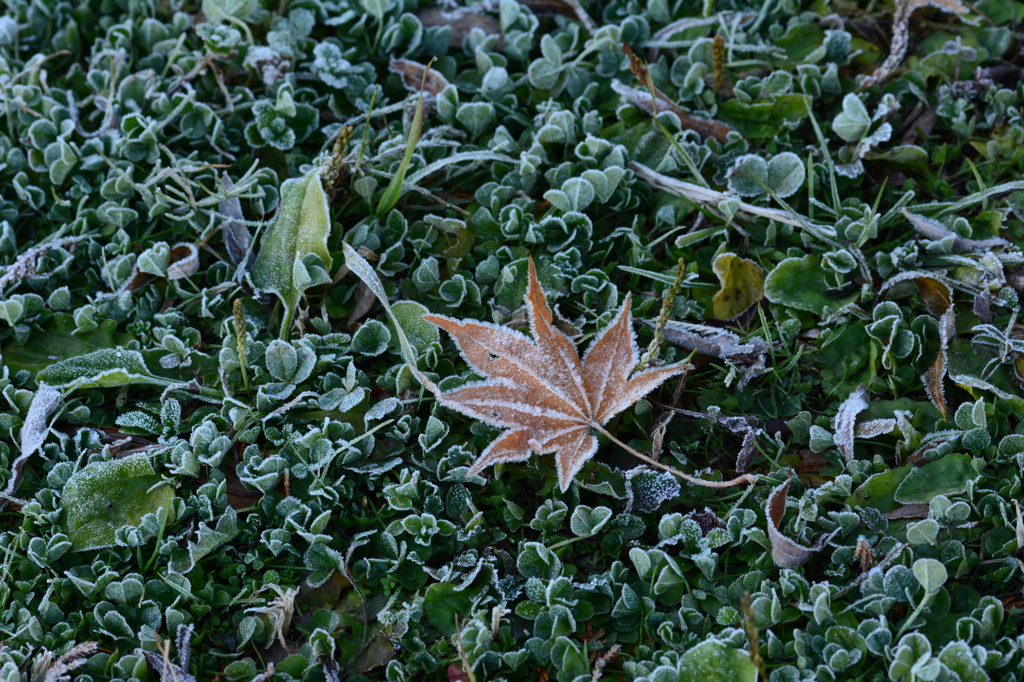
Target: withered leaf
{"x": 704, "y": 127}
{"x": 726, "y": 345}
{"x": 237, "y": 239}
{"x": 539, "y": 389}
{"x": 741, "y": 284}
{"x": 845, "y": 422}
{"x": 745, "y": 427}
{"x": 785, "y": 552}
{"x": 875, "y": 427}
{"x": 74, "y": 658}
{"x": 933, "y": 229}
{"x": 936, "y": 371}
{"x": 412, "y": 74}
{"x": 37, "y": 421}
{"x": 184, "y": 261}
{"x": 934, "y": 289}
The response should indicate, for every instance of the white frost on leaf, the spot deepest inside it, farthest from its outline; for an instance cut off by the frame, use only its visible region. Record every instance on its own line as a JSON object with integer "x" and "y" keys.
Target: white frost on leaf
{"x": 37, "y": 422}
{"x": 844, "y": 423}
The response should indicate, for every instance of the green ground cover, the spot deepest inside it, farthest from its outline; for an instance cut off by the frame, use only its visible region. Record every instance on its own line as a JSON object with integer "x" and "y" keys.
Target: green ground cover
{"x": 233, "y": 447}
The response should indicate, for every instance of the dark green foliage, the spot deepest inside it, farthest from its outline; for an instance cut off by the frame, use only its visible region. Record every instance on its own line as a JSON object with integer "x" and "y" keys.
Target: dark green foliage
{"x": 241, "y": 458}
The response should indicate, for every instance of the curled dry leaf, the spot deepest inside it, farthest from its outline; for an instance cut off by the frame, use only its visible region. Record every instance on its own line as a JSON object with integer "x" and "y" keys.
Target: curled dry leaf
{"x": 37, "y": 421}
{"x": 184, "y": 261}
{"x": 933, "y": 229}
{"x": 935, "y": 289}
{"x": 237, "y": 239}
{"x": 414, "y": 75}
{"x": 785, "y": 552}
{"x": 844, "y": 423}
{"x": 936, "y": 371}
{"x": 721, "y": 343}
{"x": 167, "y": 671}
{"x": 901, "y": 34}
{"x": 59, "y": 670}
{"x": 540, "y": 391}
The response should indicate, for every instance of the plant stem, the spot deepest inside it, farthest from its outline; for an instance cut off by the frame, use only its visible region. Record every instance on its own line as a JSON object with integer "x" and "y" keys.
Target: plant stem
{"x": 739, "y": 480}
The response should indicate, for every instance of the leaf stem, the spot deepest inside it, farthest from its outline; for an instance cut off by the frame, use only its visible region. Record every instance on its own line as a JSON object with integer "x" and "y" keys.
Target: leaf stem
{"x": 739, "y": 480}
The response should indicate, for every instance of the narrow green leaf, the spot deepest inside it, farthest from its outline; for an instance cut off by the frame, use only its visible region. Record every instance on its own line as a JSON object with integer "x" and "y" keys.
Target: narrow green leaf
{"x": 394, "y": 190}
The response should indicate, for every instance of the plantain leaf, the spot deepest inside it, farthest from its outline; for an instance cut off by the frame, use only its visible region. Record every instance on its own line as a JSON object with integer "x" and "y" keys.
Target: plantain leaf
{"x": 300, "y": 230}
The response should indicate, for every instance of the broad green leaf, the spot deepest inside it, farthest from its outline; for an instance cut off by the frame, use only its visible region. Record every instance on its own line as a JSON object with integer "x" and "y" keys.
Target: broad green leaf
{"x": 420, "y": 333}
{"x": 104, "y": 496}
{"x": 713, "y": 661}
{"x": 443, "y": 601}
{"x": 742, "y": 285}
{"x": 879, "y": 489}
{"x": 947, "y": 476}
{"x": 800, "y": 283}
{"x": 100, "y": 369}
{"x": 300, "y": 228}
{"x": 760, "y": 120}
{"x": 58, "y": 341}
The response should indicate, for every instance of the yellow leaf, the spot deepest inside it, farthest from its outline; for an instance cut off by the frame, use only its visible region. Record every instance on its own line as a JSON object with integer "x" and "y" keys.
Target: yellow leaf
{"x": 742, "y": 285}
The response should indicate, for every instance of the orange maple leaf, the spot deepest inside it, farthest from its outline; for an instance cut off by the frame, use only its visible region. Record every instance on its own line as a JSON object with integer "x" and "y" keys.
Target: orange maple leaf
{"x": 540, "y": 391}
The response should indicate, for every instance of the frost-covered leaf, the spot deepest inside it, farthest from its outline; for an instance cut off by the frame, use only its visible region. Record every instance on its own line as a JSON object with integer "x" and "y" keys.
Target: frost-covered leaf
{"x": 800, "y": 283}
{"x": 102, "y": 368}
{"x": 785, "y": 552}
{"x": 104, "y": 496}
{"x": 37, "y": 421}
{"x": 718, "y": 342}
{"x": 300, "y": 229}
{"x": 844, "y": 423}
{"x": 741, "y": 285}
{"x": 540, "y": 391}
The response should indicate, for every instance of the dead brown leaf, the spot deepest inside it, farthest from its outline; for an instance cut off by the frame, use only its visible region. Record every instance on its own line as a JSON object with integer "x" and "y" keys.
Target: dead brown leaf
{"x": 785, "y": 552}
{"x": 936, "y": 371}
{"x": 415, "y": 75}
{"x": 908, "y": 511}
{"x": 539, "y": 389}
{"x": 724, "y": 344}
{"x": 704, "y": 127}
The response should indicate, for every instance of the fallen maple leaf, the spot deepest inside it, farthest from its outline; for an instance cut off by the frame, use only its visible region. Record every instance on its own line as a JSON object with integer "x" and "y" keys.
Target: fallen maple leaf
{"x": 539, "y": 389}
